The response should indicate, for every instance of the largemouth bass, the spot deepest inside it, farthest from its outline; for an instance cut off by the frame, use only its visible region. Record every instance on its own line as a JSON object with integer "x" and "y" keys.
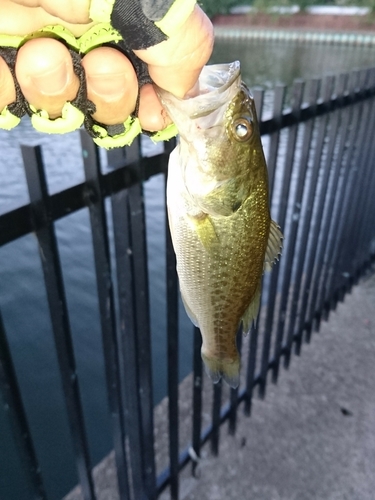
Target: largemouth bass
{"x": 217, "y": 197}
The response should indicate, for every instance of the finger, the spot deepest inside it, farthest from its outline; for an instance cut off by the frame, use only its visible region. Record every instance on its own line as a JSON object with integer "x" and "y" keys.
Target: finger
{"x": 22, "y": 17}
{"x": 152, "y": 115}
{"x": 73, "y": 11}
{"x": 176, "y": 63}
{"x": 111, "y": 84}
{"x": 7, "y": 90}
{"x": 45, "y": 73}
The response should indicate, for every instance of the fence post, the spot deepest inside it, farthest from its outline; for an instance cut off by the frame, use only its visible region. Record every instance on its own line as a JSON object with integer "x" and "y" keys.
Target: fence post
{"x": 106, "y": 306}
{"x": 126, "y": 251}
{"x": 43, "y": 226}
{"x": 16, "y": 414}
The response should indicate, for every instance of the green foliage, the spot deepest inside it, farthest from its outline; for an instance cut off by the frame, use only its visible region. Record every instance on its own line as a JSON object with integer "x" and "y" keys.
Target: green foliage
{"x": 213, "y": 7}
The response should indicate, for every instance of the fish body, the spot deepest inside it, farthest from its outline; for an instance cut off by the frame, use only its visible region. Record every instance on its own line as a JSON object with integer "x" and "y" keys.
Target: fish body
{"x": 218, "y": 209}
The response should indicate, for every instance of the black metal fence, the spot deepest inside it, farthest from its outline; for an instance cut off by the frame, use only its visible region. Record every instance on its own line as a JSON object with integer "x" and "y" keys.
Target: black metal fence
{"x": 321, "y": 159}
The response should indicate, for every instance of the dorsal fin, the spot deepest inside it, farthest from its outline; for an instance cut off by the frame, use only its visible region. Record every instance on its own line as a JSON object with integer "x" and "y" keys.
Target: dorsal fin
{"x": 274, "y": 246}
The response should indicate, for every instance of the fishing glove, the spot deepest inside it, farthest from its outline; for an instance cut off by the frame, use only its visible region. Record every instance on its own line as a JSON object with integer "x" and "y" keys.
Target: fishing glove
{"x": 123, "y": 24}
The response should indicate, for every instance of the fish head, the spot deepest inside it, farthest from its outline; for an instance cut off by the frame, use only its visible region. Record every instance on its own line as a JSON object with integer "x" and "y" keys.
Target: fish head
{"x": 219, "y": 139}
{"x": 235, "y": 153}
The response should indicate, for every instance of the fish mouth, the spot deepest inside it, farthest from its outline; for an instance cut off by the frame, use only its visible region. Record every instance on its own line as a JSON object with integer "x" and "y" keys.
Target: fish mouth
{"x": 216, "y": 79}
{"x": 218, "y": 84}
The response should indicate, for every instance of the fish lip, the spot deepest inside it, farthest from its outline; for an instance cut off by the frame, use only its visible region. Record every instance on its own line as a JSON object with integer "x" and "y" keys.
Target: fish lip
{"x": 231, "y": 72}
{"x": 217, "y": 77}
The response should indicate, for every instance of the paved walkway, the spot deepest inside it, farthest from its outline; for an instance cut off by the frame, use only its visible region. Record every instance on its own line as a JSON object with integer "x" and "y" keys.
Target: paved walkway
{"x": 313, "y": 438}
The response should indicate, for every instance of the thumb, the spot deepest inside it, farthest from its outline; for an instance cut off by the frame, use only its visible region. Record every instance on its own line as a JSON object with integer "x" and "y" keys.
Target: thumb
{"x": 175, "y": 64}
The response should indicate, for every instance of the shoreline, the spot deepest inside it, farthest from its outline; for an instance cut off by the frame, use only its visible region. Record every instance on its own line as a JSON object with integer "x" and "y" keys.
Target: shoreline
{"x": 298, "y": 22}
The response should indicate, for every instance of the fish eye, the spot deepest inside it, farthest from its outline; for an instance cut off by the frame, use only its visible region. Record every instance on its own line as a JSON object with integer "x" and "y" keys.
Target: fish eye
{"x": 242, "y": 129}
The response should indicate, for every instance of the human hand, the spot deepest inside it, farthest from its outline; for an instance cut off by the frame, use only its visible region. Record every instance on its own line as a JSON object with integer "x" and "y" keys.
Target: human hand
{"x": 44, "y": 67}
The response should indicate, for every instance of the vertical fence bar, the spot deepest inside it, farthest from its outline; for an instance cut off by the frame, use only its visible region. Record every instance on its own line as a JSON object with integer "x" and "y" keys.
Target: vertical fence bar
{"x": 366, "y": 232}
{"x": 258, "y": 96}
{"x": 337, "y": 138}
{"x": 304, "y": 236}
{"x": 367, "y": 239}
{"x": 42, "y": 222}
{"x": 127, "y": 337}
{"x": 216, "y": 408}
{"x": 365, "y": 167}
{"x": 300, "y": 267}
{"x": 348, "y": 184}
{"x": 310, "y": 228}
{"x": 342, "y": 117}
{"x": 357, "y": 252}
{"x": 141, "y": 298}
{"x": 358, "y": 256}
{"x": 106, "y": 306}
{"x": 292, "y": 234}
{"x": 197, "y": 396}
{"x": 303, "y": 247}
{"x": 232, "y": 419}
{"x": 331, "y": 134}
{"x": 127, "y": 325}
{"x": 344, "y": 279}
{"x": 277, "y": 114}
{"x": 251, "y": 366}
{"x": 331, "y": 291}
{"x": 16, "y": 415}
{"x": 298, "y": 88}
{"x": 172, "y": 351}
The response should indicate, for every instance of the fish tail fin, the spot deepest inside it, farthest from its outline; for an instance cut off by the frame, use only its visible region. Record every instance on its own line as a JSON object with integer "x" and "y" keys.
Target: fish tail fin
{"x": 229, "y": 369}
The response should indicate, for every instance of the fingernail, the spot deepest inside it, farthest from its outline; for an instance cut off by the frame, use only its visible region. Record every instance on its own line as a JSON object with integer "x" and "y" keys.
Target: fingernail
{"x": 52, "y": 82}
{"x": 108, "y": 87}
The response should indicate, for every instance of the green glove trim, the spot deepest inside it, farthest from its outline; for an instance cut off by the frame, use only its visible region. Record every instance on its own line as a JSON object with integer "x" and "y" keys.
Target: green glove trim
{"x": 11, "y": 41}
{"x": 166, "y": 134}
{"x": 54, "y": 31}
{"x": 71, "y": 119}
{"x": 132, "y": 129}
{"x": 51, "y": 31}
{"x": 98, "y": 35}
{"x": 8, "y": 120}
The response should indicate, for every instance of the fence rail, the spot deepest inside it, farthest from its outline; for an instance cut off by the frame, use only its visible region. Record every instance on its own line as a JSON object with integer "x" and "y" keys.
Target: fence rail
{"x": 322, "y": 175}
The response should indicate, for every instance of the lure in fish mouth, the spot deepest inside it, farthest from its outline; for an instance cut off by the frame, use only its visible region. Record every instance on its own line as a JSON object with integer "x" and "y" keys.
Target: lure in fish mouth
{"x": 218, "y": 209}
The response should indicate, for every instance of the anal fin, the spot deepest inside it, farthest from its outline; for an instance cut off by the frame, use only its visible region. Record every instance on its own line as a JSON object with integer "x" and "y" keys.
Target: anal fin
{"x": 252, "y": 311}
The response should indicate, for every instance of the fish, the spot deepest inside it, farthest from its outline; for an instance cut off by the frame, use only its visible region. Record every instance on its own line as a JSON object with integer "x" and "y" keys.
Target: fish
{"x": 218, "y": 211}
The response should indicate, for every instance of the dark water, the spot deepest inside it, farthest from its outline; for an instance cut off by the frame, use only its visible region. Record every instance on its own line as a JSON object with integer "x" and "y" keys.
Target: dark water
{"x": 265, "y": 63}
{"x": 22, "y": 296}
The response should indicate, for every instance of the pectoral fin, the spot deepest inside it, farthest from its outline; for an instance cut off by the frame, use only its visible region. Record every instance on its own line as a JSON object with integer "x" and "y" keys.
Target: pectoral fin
{"x": 203, "y": 227}
{"x": 189, "y": 312}
{"x": 274, "y": 247}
